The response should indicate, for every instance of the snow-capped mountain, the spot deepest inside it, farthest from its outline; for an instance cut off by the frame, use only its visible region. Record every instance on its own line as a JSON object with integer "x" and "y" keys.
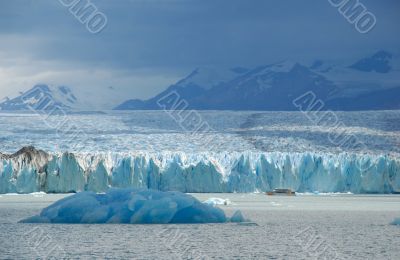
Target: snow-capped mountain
{"x": 41, "y": 97}
{"x": 196, "y": 83}
{"x": 49, "y": 97}
{"x": 372, "y": 82}
{"x": 207, "y": 78}
{"x": 379, "y": 62}
{"x": 377, "y": 72}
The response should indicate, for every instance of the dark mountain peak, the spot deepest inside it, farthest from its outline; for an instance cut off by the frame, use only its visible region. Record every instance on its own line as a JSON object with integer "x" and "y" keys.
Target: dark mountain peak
{"x": 316, "y": 64}
{"x": 65, "y": 90}
{"x": 378, "y": 62}
{"x": 208, "y": 77}
{"x": 187, "y": 78}
{"x": 37, "y": 88}
{"x": 283, "y": 66}
{"x": 382, "y": 55}
{"x": 299, "y": 68}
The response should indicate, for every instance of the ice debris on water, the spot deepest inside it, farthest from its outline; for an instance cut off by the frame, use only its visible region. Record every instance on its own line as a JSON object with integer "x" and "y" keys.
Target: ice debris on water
{"x": 135, "y": 206}
{"x": 237, "y": 217}
{"x": 217, "y": 201}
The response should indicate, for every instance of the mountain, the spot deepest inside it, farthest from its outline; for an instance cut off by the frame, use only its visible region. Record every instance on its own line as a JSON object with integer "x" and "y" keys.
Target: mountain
{"x": 271, "y": 87}
{"x": 49, "y": 97}
{"x": 41, "y": 97}
{"x": 372, "y": 82}
{"x": 379, "y": 62}
{"x": 195, "y": 84}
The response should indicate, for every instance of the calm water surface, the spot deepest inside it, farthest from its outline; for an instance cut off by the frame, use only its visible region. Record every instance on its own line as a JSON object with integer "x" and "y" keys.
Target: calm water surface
{"x": 301, "y": 227}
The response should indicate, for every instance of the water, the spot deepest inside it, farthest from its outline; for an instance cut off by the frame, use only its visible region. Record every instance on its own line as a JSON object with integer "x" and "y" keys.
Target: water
{"x": 347, "y": 226}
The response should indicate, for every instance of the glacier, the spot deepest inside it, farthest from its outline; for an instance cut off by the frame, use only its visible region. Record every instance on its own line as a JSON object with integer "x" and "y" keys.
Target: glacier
{"x": 30, "y": 170}
{"x": 132, "y": 206}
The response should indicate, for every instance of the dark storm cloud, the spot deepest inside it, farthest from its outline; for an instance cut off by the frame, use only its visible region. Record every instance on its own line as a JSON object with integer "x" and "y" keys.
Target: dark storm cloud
{"x": 178, "y": 35}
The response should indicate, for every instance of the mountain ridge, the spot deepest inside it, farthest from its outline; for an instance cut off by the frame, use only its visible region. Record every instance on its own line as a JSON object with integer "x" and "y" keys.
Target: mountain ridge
{"x": 370, "y": 80}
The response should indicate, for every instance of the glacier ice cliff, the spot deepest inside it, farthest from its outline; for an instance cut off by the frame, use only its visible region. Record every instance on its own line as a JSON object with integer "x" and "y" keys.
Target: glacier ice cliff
{"x": 30, "y": 170}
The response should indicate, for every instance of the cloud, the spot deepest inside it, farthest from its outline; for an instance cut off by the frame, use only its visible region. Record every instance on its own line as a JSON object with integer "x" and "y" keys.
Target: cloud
{"x": 43, "y": 41}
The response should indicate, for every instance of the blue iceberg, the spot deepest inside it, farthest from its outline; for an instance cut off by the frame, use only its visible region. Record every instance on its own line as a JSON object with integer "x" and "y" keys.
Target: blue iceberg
{"x": 396, "y": 222}
{"x": 135, "y": 206}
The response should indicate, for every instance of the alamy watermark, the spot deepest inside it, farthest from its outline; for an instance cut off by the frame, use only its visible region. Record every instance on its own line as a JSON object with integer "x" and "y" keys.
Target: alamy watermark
{"x": 44, "y": 246}
{"x": 314, "y": 109}
{"x": 87, "y": 14}
{"x": 42, "y": 104}
{"x": 315, "y": 246}
{"x": 355, "y": 13}
{"x": 189, "y": 120}
{"x": 179, "y": 244}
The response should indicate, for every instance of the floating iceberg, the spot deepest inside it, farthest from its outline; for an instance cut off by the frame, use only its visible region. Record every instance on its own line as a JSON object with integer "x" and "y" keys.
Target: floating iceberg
{"x": 30, "y": 170}
{"x": 217, "y": 201}
{"x": 132, "y": 206}
{"x": 396, "y": 222}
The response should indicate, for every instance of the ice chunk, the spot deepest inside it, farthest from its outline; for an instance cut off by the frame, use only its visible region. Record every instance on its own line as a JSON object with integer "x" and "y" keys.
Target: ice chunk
{"x": 396, "y": 222}
{"x": 136, "y": 206}
{"x": 237, "y": 217}
{"x": 217, "y": 201}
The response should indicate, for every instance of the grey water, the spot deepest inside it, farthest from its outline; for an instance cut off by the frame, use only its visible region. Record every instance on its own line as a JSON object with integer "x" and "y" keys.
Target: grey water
{"x": 330, "y": 226}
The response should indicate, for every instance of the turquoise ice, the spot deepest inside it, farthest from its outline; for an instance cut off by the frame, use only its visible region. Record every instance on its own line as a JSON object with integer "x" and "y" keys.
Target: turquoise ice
{"x": 134, "y": 206}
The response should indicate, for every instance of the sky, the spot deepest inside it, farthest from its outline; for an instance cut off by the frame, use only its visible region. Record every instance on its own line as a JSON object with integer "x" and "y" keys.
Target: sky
{"x": 150, "y": 44}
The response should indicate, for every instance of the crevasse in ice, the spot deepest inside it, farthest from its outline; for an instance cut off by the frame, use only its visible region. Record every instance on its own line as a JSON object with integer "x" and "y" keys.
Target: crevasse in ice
{"x": 202, "y": 172}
